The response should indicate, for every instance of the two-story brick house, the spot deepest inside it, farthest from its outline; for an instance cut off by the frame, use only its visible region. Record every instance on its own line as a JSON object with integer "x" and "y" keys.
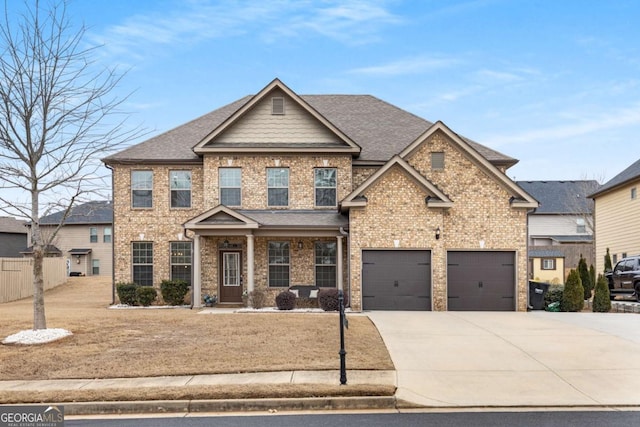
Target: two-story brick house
{"x": 346, "y": 191}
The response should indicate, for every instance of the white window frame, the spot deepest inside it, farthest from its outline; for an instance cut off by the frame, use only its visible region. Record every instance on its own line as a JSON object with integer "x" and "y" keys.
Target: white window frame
{"x": 321, "y": 261}
{"x": 222, "y": 185}
{"x": 544, "y": 266}
{"x": 272, "y": 185}
{"x": 317, "y": 188}
{"x": 270, "y": 258}
{"x": 143, "y": 185}
{"x": 176, "y": 184}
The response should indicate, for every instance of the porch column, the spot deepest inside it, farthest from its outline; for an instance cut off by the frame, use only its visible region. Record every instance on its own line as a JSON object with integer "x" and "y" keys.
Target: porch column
{"x": 339, "y": 261}
{"x": 197, "y": 282}
{"x": 250, "y": 262}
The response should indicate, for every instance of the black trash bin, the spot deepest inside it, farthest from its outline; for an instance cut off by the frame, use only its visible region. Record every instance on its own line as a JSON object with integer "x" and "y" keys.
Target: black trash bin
{"x": 537, "y": 290}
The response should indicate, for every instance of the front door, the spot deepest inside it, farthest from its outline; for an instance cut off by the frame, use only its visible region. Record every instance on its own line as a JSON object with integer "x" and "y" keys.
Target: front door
{"x": 230, "y": 277}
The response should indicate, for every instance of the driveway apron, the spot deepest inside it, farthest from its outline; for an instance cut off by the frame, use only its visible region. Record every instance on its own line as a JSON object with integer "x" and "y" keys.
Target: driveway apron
{"x": 471, "y": 359}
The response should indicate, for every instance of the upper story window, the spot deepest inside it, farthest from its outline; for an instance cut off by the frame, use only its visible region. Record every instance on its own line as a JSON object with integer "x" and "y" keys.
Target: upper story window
{"x": 277, "y": 186}
{"x": 93, "y": 234}
{"x": 106, "y": 237}
{"x": 634, "y": 193}
{"x": 325, "y": 184}
{"x": 180, "y": 183}
{"x": 437, "y": 160}
{"x": 230, "y": 184}
{"x": 581, "y": 227}
{"x": 141, "y": 189}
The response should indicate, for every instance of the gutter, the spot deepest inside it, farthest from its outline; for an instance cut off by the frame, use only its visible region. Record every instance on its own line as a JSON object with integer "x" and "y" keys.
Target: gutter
{"x": 113, "y": 240}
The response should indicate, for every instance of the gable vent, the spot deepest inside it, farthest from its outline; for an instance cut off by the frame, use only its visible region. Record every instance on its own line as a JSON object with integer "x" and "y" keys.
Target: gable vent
{"x": 277, "y": 106}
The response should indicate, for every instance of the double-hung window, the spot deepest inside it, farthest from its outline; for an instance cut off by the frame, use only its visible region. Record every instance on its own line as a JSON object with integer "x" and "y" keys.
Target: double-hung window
{"x": 181, "y": 261}
{"x": 142, "y": 261}
{"x": 278, "y": 186}
{"x": 93, "y": 234}
{"x": 325, "y": 183}
{"x": 141, "y": 189}
{"x": 325, "y": 260}
{"x": 106, "y": 237}
{"x": 230, "y": 183}
{"x": 548, "y": 264}
{"x": 581, "y": 226}
{"x": 279, "y": 261}
{"x": 180, "y": 184}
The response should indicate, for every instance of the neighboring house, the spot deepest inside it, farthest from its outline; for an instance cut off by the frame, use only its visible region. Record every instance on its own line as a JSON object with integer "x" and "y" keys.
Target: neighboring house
{"x": 13, "y": 237}
{"x": 85, "y": 239}
{"x": 617, "y": 214}
{"x": 346, "y": 191}
{"x": 561, "y": 228}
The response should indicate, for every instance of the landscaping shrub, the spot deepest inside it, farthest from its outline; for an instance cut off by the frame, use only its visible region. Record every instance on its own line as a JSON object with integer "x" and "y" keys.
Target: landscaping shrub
{"x": 573, "y": 295}
{"x": 286, "y": 300}
{"x": 601, "y": 299}
{"x": 126, "y": 293}
{"x": 554, "y": 294}
{"x": 174, "y": 291}
{"x": 145, "y": 295}
{"x": 607, "y": 262}
{"x": 585, "y": 278}
{"x": 328, "y": 299}
{"x": 258, "y": 298}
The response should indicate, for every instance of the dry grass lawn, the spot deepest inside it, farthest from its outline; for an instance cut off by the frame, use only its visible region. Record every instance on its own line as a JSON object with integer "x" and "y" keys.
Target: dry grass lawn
{"x": 110, "y": 343}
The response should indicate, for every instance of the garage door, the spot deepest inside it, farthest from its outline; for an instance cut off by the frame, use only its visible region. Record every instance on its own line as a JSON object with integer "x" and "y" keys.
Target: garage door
{"x": 396, "y": 280}
{"x": 481, "y": 281}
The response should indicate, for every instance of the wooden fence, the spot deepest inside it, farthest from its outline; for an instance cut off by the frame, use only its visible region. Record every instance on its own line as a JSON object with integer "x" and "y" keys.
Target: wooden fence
{"x": 16, "y": 276}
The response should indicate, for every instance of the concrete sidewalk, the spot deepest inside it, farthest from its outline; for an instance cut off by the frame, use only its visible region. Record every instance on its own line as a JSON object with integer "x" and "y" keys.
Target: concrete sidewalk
{"x": 506, "y": 359}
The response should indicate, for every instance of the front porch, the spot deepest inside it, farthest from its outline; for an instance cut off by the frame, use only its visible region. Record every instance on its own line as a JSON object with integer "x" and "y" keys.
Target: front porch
{"x": 236, "y": 252}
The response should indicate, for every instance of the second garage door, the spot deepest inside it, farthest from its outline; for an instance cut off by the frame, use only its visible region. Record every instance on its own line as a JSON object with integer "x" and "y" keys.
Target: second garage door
{"x": 396, "y": 280}
{"x": 483, "y": 281}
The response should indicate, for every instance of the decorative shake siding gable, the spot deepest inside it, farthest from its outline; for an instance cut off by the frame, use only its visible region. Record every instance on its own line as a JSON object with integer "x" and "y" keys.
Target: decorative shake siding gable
{"x": 259, "y": 126}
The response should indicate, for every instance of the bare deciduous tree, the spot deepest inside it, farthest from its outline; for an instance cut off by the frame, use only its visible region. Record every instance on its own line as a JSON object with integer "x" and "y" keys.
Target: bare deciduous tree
{"x": 58, "y": 116}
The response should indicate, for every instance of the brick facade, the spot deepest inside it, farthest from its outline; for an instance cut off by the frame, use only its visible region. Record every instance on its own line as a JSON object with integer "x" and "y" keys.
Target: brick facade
{"x": 477, "y": 215}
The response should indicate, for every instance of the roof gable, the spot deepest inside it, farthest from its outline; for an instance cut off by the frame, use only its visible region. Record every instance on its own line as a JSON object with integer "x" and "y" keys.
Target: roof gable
{"x": 436, "y": 198}
{"x": 630, "y": 174}
{"x": 254, "y": 127}
{"x": 220, "y": 217}
{"x": 520, "y": 198}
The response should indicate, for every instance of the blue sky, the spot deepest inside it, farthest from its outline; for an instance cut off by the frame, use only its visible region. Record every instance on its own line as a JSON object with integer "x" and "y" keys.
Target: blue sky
{"x": 555, "y": 84}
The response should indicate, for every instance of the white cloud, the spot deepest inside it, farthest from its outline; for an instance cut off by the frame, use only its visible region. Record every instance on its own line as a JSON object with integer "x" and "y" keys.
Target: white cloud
{"x": 350, "y": 21}
{"x": 623, "y": 117}
{"x": 415, "y": 65}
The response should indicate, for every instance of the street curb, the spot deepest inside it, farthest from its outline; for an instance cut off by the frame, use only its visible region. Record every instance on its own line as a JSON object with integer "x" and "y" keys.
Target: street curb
{"x": 230, "y": 405}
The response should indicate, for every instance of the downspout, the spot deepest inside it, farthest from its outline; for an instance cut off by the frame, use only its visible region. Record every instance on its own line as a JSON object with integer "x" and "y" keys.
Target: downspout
{"x": 184, "y": 233}
{"x": 113, "y": 240}
{"x": 529, "y": 306}
{"x": 346, "y": 234}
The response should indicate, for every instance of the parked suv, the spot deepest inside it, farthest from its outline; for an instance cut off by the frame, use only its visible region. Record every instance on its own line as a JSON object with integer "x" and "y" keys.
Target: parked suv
{"x": 625, "y": 278}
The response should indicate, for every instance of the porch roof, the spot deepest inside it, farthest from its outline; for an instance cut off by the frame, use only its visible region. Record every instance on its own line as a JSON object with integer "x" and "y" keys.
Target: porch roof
{"x": 297, "y": 218}
{"x": 222, "y": 219}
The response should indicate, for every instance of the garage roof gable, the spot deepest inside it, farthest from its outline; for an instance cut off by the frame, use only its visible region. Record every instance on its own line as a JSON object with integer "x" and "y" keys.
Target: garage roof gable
{"x": 519, "y": 199}
{"x": 435, "y": 199}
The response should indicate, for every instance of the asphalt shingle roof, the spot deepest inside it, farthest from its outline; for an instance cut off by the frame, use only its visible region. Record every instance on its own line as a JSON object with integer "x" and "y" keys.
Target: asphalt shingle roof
{"x": 88, "y": 213}
{"x": 379, "y": 128}
{"x": 561, "y": 197}
{"x": 629, "y": 174}
{"x": 11, "y": 225}
{"x": 548, "y": 253}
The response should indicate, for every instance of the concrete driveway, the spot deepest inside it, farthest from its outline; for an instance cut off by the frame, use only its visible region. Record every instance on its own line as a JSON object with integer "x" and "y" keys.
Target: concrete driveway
{"x": 458, "y": 359}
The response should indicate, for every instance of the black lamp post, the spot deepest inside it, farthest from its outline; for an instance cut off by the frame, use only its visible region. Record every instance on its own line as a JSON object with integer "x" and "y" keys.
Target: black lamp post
{"x": 343, "y": 354}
